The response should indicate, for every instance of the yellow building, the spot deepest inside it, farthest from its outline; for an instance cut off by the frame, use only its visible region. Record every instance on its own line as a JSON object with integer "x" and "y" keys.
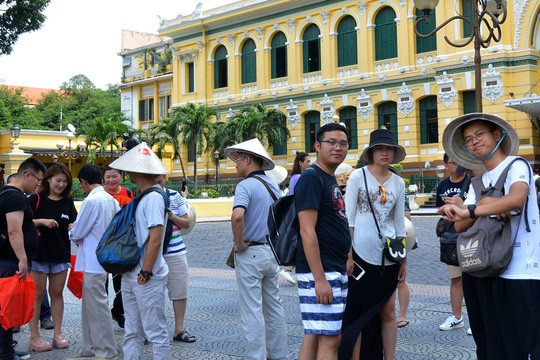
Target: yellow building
{"x": 360, "y": 60}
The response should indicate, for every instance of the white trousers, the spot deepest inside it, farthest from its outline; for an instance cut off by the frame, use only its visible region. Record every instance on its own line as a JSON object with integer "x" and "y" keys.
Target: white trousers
{"x": 96, "y": 321}
{"x": 144, "y": 310}
{"x": 260, "y": 309}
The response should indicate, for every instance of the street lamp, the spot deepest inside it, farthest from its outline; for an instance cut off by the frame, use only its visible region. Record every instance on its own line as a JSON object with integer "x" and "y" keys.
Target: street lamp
{"x": 216, "y": 157}
{"x": 486, "y": 12}
{"x": 70, "y": 153}
{"x": 15, "y": 133}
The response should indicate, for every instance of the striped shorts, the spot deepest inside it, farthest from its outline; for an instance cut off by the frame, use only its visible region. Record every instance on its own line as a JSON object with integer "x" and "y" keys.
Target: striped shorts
{"x": 319, "y": 319}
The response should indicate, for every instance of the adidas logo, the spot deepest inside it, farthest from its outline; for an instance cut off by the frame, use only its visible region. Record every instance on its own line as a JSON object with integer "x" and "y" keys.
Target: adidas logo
{"x": 469, "y": 249}
{"x": 470, "y": 262}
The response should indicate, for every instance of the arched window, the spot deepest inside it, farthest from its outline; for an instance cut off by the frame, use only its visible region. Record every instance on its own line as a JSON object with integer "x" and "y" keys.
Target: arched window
{"x": 346, "y": 42}
{"x": 312, "y": 49}
{"x": 313, "y": 123}
{"x": 347, "y": 116}
{"x": 220, "y": 68}
{"x": 429, "y": 120}
{"x": 429, "y": 43}
{"x": 468, "y": 7}
{"x": 249, "y": 62}
{"x": 387, "y": 114}
{"x": 385, "y": 34}
{"x": 279, "y": 55}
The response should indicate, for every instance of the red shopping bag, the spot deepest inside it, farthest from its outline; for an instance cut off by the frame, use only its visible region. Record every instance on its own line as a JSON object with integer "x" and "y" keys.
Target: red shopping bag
{"x": 75, "y": 279}
{"x": 16, "y": 301}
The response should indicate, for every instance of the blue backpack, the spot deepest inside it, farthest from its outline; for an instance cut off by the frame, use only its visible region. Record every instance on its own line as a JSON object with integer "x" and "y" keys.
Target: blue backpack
{"x": 118, "y": 251}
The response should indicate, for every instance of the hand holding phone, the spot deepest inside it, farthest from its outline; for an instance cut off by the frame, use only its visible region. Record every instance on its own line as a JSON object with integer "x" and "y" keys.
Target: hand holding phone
{"x": 184, "y": 183}
{"x": 358, "y": 271}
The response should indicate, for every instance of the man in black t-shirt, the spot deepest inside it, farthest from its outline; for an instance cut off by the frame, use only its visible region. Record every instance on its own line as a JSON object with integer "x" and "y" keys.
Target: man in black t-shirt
{"x": 321, "y": 259}
{"x": 18, "y": 235}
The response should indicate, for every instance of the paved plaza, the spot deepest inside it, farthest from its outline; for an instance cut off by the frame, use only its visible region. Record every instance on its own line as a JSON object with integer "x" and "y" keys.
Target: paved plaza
{"x": 213, "y": 311}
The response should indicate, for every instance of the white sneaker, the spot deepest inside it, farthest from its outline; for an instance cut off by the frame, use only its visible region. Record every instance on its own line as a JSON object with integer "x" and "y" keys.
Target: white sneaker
{"x": 469, "y": 331}
{"x": 287, "y": 276}
{"x": 451, "y": 323}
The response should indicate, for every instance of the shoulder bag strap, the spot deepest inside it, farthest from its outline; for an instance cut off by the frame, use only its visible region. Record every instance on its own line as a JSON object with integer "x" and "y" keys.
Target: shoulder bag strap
{"x": 478, "y": 186}
{"x": 274, "y": 197}
{"x": 370, "y": 205}
{"x": 465, "y": 186}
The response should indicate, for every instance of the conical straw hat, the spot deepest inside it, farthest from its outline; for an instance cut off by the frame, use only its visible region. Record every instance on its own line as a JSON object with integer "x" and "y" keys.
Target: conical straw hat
{"x": 140, "y": 159}
{"x": 253, "y": 147}
{"x": 278, "y": 174}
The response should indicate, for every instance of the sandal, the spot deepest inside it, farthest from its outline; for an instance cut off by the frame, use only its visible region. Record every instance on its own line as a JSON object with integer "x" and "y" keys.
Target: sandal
{"x": 184, "y": 336}
{"x": 402, "y": 323}
{"x": 60, "y": 342}
{"x": 39, "y": 345}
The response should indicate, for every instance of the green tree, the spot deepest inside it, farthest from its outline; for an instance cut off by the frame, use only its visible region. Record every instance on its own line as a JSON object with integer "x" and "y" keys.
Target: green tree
{"x": 102, "y": 134}
{"x": 49, "y": 107}
{"x": 17, "y": 17}
{"x": 169, "y": 132}
{"x": 195, "y": 127}
{"x": 13, "y": 110}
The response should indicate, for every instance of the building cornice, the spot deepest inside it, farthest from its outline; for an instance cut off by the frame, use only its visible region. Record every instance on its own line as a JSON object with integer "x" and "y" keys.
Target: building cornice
{"x": 147, "y": 80}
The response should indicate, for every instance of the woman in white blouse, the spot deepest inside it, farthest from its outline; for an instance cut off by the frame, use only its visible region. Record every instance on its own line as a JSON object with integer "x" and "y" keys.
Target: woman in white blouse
{"x": 369, "y": 322}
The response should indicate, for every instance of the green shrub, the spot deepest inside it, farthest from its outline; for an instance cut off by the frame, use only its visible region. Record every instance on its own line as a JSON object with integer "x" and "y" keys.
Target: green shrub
{"x": 407, "y": 182}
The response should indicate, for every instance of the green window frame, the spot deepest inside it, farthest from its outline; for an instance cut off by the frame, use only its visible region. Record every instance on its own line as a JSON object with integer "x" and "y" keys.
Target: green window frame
{"x": 191, "y": 77}
{"x": 347, "y": 42}
{"x": 220, "y": 68}
{"x": 281, "y": 148}
{"x": 313, "y": 123}
{"x": 430, "y": 43}
{"x": 429, "y": 120}
{"x": 142, "y": 110}
{"x": 387, "y": 116}
{"x": 469, "y": 101}
{"x": 348, "y": 116}
{"x": 191, "y": 156}
{"x": 311, "y": 47}
{"x": 278, "y": 55}
{"x": 249, "y": 62}
{"x": 385, "y": 34}
{"x": 468, "y": 9}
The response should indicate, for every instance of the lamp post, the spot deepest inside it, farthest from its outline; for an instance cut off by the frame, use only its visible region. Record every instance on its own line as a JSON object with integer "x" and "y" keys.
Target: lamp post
{"x": 486, "y": 12}
{"x": 70, "y": 153}
{"x": 15, "y": 133}
{"x": 216, "y": 157}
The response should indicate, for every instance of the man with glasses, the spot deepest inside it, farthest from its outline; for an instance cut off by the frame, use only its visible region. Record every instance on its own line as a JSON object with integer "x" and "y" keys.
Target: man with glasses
{"x": 321, "y": 261}
{"x": 18, "y": 235}
{"x": 449, "y": 191}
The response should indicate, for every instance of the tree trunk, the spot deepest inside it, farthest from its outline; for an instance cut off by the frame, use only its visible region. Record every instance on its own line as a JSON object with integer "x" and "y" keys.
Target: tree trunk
{"x": 195, "y": 167}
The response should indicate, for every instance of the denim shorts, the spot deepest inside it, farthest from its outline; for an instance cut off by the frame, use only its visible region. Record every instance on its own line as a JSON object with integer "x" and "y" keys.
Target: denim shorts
{"x": 49, "y": 268}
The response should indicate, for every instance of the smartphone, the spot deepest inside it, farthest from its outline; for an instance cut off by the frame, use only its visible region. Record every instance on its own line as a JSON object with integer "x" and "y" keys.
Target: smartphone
{"x": 184, "y": 183}
{"x": 358, "y": 271}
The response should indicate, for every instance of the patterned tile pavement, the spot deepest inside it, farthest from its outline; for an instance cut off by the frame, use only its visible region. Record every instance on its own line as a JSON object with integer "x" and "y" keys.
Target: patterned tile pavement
{"x": 213, "y": 314}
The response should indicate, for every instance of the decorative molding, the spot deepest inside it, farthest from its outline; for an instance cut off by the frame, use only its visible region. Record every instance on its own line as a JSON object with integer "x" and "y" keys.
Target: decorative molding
{"x": 230, "y": 114}
{"x": 492, "y": 87}
{"x": 424, "y": 71}
{"x": 447, "y": 92}
{"x": 327, "y": 110}
{"x": 231, "y": 40}
{"x": 362, "y": 7}
{"x": 291, "y": 23}
{"x": 405, "y": 100}
{"x": 324, "y": 15}
{"x": 381, "y": 78}
{"x": 292, "y": 113}
{"x": 343, "y": 84}
{"x": 519, "y": 21}
{"x": 402, "y": 3}
{"x": 364, "y": 104}
{"x": 260, "y": 32}
{"x": 218, "y": 40}
{"x": 201, "y": 46}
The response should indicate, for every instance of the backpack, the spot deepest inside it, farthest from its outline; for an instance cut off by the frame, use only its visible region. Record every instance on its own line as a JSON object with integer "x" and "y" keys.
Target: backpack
{"x": 118, "y": 251}
{"x": 168, "y": 229}
{"x": 486, "y": 248}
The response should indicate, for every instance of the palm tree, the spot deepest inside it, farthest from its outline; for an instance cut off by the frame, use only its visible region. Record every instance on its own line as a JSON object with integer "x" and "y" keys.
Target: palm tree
{"x": 101, "y": 133}
{"x": 195, "y": 127}
{"x": 168, "y": 132}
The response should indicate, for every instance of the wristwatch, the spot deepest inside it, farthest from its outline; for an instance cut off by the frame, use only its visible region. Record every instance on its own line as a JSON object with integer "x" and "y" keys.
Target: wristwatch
{"x": 471, "y": 211}
{"x": 144, "y": 276}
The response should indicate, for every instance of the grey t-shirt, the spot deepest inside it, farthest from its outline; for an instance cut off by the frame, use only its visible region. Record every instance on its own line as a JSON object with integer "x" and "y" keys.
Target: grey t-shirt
{"x": 150, "y": 213}
{"x": 253, "y": 196}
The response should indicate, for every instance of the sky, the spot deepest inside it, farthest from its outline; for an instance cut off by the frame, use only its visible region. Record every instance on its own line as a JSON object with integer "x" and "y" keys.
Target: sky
{"x": 84, "y": 37}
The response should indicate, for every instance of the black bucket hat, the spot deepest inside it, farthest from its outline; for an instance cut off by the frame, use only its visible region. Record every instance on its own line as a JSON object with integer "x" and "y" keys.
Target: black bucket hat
{"x": 385, "y": 137}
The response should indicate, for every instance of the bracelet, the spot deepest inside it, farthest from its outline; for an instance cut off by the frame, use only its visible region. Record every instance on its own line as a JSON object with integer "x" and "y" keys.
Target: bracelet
{"x": 144, "y": 276}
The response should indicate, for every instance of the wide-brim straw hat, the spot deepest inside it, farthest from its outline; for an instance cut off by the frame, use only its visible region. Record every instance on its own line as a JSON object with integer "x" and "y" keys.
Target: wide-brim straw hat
{"x": 454, "y": 144}
{"x": 192, "y": 216}
{"x": 278, "y": 174}
{"x": 384, "y": 137}
{"x": 141, "y": 159}
{"x": 253, "y": 147}
{"x": 342, "y": 173}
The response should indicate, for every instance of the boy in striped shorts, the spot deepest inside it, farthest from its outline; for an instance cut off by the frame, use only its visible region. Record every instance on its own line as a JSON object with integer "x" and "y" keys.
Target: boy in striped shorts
{"x": 321, "y": 260}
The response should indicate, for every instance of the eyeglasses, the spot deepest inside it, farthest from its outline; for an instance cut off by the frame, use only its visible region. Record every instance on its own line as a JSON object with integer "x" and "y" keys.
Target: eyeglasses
{"x": 478, "y": 136}
{"x": 237, "y": 159}
{"x": 384, "y": 196}
{"x": 333, "y": 143}
{"x": 34, "y": 175}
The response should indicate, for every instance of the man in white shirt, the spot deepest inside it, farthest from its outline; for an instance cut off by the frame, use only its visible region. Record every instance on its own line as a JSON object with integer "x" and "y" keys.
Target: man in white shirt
{"x": 143, "y": 288}
{"x": 97, "y": 211}
{"x": 503, "y": 310}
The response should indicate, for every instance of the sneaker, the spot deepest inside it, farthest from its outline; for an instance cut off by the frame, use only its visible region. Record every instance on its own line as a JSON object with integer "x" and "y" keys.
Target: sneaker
{"x": 451, "y": 323}
{"x": 469, "y": 331}
{"x": 22, "y": 354}
{"x": 47, "y": 324}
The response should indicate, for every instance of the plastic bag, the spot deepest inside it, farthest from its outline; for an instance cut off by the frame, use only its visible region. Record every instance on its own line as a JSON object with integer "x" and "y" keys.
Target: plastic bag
{"x": 16, "y": 301}
{"x": 75, "y": 279}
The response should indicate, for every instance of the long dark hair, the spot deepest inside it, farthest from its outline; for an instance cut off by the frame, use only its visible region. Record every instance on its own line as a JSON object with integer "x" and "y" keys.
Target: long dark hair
{"x": 300, "y": 157}
{"x": 53, "y": 170}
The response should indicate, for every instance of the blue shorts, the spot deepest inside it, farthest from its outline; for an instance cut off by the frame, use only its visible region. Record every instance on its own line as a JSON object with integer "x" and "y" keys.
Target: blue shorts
{"x": 317, "y": 318}
{"x": 49, "y": 268}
